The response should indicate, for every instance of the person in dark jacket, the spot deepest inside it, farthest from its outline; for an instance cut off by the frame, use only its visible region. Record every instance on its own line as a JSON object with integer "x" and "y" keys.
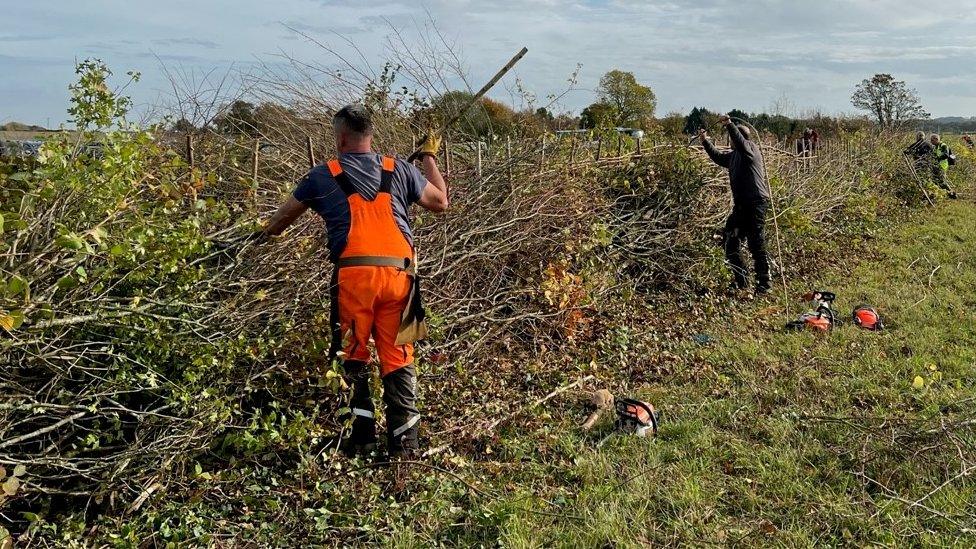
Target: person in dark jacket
{"x": 920, "y": 149}
{"x": 750, "y": 201}
{"x": 804, "y": 145}
{"x": 921, "y": 154}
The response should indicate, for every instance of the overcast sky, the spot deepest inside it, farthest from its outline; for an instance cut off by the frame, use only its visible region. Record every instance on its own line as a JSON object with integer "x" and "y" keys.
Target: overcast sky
{"x": 722, "y": 54}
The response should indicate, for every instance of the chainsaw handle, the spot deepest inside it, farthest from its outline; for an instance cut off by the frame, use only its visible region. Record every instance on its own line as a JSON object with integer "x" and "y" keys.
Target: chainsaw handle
{"x": 622, "y": 405}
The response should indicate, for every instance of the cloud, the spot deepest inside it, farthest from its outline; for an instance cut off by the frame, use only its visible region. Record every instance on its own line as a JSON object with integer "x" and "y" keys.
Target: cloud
{"x": 26, "y": 37}
{"x": 175, "y": 57}
{"x": 187, "y": 41}
{"x": 318, "y": 30}
{"x": 716, "y": 53}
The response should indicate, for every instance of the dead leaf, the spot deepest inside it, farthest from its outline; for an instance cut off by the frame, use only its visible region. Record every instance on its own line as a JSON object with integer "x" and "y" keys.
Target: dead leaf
{"x": 11, "y": 486}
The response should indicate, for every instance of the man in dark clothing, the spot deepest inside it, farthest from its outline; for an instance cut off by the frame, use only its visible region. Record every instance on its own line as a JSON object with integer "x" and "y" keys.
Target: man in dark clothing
{"x": 750, "y": 200}
{"x": 921, "y": 154}
{"x": 920, "y": 150}
{"x": 804, "y": 146}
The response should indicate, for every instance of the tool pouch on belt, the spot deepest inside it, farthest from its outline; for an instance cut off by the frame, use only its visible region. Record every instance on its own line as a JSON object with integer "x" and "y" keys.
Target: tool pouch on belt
{"x": 413, "y": 324}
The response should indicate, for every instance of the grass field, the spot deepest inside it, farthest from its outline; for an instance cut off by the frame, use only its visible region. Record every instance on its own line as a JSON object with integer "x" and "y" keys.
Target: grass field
{"x": 770, "y": 438}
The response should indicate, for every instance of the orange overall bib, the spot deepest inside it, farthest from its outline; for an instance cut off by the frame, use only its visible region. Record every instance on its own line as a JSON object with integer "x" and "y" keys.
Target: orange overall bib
{"x": 373, "y": 279}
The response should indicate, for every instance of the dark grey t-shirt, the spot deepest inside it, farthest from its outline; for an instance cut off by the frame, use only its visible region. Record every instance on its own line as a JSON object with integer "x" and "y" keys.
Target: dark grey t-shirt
{"x": 319, "y": 191}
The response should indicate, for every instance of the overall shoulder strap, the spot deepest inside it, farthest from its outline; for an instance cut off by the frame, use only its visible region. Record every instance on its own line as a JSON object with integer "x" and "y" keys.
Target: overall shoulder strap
{"x": 386, "y": 177}
{"x": 335, "y": 168}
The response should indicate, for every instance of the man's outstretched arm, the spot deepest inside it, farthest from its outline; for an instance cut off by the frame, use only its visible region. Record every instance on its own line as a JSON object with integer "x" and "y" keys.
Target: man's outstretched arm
{"x": 723, "y": 159}
{"x": 286, "y": 215}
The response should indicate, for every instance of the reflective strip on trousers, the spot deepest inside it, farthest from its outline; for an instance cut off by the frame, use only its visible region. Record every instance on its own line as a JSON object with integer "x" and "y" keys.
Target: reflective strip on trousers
{"x": 403, "y": 428}
{"x": 362, "y": 413}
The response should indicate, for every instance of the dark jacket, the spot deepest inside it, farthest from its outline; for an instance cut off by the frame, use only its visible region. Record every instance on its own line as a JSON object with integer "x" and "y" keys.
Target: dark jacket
{"x": 921, "y": 149}
{"x": 745, "y": 164}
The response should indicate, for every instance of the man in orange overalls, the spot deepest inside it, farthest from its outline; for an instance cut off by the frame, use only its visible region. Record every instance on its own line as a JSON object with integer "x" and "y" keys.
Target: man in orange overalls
{"x": 363, "y": 198}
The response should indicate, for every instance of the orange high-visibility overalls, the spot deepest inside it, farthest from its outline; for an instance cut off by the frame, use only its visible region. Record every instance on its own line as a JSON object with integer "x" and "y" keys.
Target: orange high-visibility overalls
{"x": 373, "y": 279}
{"x": 372, "y": 290}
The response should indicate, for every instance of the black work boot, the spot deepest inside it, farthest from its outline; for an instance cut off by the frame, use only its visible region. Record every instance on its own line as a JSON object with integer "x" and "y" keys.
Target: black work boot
{"x": 403, "y": 418}
{"x": 763, "y": 287}
{"x": 362, "y": 439}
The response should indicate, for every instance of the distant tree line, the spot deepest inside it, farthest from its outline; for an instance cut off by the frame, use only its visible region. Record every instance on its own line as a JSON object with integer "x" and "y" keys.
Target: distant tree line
{"x": 621, "y": 101}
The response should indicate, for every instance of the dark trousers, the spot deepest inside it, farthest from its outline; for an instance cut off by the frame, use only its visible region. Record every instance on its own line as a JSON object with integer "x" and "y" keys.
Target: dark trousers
{"x": 747, "y": 222}
{"x": 400, "y": 398}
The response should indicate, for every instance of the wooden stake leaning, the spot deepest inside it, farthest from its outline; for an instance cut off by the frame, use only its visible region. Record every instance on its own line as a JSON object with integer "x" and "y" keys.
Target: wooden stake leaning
{"x": 475, "y": 98}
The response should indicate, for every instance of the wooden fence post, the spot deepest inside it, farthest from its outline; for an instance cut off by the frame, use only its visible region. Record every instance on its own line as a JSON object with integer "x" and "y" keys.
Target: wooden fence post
{"x": 638, "y": 146}
{"x": 508, "y": 158}
{"x": 478, "y": 167}
{"x": 447, "y": 156}
{"x": 620, "y": 145}
{"x": 254, "y": 160}
{"x": 599, "y": 148}
{"x": 189, "y": 151}
{"x": 311, "y": 153}
{"x": 542, "y": 157}
{"x": 572, "y": 152}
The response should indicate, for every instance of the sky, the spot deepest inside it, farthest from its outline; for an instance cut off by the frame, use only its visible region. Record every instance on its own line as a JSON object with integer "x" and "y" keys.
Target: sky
{"x": 721, "y": 54}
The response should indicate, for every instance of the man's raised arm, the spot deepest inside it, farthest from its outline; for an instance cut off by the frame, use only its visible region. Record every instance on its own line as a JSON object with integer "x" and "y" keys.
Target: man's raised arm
{"x": 739, "y": 141}
{"x": 434, "y": 197}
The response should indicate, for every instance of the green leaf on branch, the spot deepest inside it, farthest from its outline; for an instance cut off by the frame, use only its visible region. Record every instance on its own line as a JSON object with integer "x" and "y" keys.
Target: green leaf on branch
{"x": 18, "y": 286}
{"x": 98, "y": 234}
{"x": 70, "y": 241}
{"x": 18, "y": 321}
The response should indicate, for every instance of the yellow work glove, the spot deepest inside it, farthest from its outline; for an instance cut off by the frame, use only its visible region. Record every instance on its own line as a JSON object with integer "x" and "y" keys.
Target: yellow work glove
{"x": 431, "y": 145}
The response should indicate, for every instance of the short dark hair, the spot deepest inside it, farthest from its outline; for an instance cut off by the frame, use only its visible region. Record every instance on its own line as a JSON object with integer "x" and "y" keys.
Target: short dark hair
{"x": 353, "y": 119}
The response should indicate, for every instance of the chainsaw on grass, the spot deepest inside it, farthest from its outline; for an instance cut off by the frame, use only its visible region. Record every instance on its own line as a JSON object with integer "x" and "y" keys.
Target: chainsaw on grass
{"x": 821, "y": 318}
{"x": 632, "y": 416}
